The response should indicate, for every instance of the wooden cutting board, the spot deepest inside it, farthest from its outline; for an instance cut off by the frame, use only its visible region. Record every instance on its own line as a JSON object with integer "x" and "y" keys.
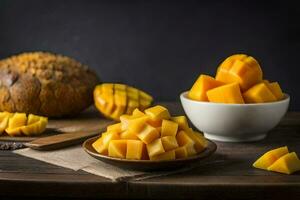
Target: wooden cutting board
{"x": 88, "y": 121}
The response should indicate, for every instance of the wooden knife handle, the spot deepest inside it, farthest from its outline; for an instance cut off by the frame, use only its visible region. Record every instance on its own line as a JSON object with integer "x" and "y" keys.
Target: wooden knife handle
{"x": 61, "y": 140}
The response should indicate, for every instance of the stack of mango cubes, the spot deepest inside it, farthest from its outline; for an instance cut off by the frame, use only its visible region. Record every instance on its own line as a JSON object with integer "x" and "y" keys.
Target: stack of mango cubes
{"x": 150, "y": 135}
{"x": 239, "y": 80}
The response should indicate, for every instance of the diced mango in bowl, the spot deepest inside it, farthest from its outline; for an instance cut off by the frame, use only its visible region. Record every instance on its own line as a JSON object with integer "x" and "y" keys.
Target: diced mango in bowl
{"x": 150, "y": 135}
{"x": 239, "y": 80}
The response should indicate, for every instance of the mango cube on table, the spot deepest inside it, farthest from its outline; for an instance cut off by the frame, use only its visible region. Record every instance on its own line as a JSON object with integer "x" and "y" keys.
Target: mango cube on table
{"x": 270, "y": 157}
{"x": 287, "y": 164}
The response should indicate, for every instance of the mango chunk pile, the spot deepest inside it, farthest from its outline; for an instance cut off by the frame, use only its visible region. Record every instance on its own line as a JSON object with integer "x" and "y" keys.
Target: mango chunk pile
{"x": 114, "y": 100}
{"x": 279, "y": 160}
{"x": 19, "y": 124}
{"x": 239, "y": 80}
{"x": 150, "y": 135}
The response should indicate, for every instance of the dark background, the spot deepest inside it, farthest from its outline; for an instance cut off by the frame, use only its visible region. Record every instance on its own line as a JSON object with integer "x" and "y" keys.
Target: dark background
{"x": 158, "y": 46}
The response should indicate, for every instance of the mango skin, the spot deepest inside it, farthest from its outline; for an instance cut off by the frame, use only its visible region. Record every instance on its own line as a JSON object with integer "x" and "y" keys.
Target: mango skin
{"x": 240, "y": 68}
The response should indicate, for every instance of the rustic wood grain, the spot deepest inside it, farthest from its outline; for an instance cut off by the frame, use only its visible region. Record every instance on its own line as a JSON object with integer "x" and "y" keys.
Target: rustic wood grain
{"x": 228, "y": 174}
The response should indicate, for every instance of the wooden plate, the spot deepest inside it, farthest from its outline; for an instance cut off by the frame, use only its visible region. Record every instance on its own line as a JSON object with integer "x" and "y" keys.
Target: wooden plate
{"x": 148, "y": 165}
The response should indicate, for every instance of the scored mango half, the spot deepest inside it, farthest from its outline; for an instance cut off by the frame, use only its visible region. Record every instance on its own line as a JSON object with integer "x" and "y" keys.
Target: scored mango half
{"x": 150, "y": 135}
{"x": 19, "y": 124}
{"x": 114, "y": 100}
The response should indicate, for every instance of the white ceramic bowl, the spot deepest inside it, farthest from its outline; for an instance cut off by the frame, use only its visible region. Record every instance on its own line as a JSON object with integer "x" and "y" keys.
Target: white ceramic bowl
{"x": 234, "y": 122}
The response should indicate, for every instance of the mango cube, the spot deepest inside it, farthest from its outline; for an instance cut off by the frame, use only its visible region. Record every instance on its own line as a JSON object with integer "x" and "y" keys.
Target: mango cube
{"x": 134, "y": 149}
{"x": 181, "y": 152}
{"x": 98, "y": 145}
{"x": 137, "y": 124}
{"x": 107, "y": 137}
{"x": 168, "y": 128}
{"x": 201, "y": 86}
{"x": 148, "y": 134}
{"x": 240, "y": 68}
{"x": 4, "y": 117}
{"x": 259, "y": 93}
{"x": 287, "y": 164}
{"x": 270, "y": 157}
{"x": 275, "y": 89}
{"x": 190, "y": 148}
{"x": 128, "y": 135}
{"x": 114, "y": 127}
{"x": 200, "y": 141}
{"x": 117, "y": 148}
{"x": 157, "y": 113}
{"x": 169, "y": 143}
{"x": 181, "y": 121}
{"x": 183, "y": 138}
{"x": 138, "y": 113}
{"x": 155, "y": 148}
{"x": 170, "y": 155}
{"x": 229, "y": 93}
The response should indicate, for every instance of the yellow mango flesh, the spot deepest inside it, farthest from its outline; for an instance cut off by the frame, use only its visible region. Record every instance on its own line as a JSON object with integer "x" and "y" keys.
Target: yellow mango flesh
{"x": 259, "y": 93}
{"x": 287, "y": 164}
{"x": 229, "y": 93}
{"x": 15, "y": 123}
{"x": 240, "y": 68}
{"x": 169, "y": 143}
{"x": 201, "y": 86}
{"x": 181, "y": 152}
{"x": 148, "y": 134}
{"x": 34, "y": 127}
{"x": 114, "y": 100}
{"x": 168, "y": 128}
{"x": 134, "y": 149}
{"x": 270, "y": 157}
{"x": 170, "y": 155}
{"x": 155, "y": 148}
{"x": 117, "y": 148}
{"x": 157, "y": 113}
{"x": 275, "y": 89}
{"x": 183, "y": 139}
{"x": 200, "y": 141}
{"x": 181, "y": 121}
{"x": 107, "y": 138}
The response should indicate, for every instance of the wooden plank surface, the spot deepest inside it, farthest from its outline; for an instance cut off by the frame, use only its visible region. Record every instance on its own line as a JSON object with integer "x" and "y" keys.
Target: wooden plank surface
{"x": 228, "y": 175}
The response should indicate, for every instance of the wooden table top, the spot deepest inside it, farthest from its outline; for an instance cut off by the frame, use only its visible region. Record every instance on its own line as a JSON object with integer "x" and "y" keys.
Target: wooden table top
{"x": 231, "y": 176}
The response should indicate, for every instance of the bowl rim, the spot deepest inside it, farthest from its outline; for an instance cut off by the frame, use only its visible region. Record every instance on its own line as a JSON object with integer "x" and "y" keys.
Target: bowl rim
{"x": 286, "y": 99}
